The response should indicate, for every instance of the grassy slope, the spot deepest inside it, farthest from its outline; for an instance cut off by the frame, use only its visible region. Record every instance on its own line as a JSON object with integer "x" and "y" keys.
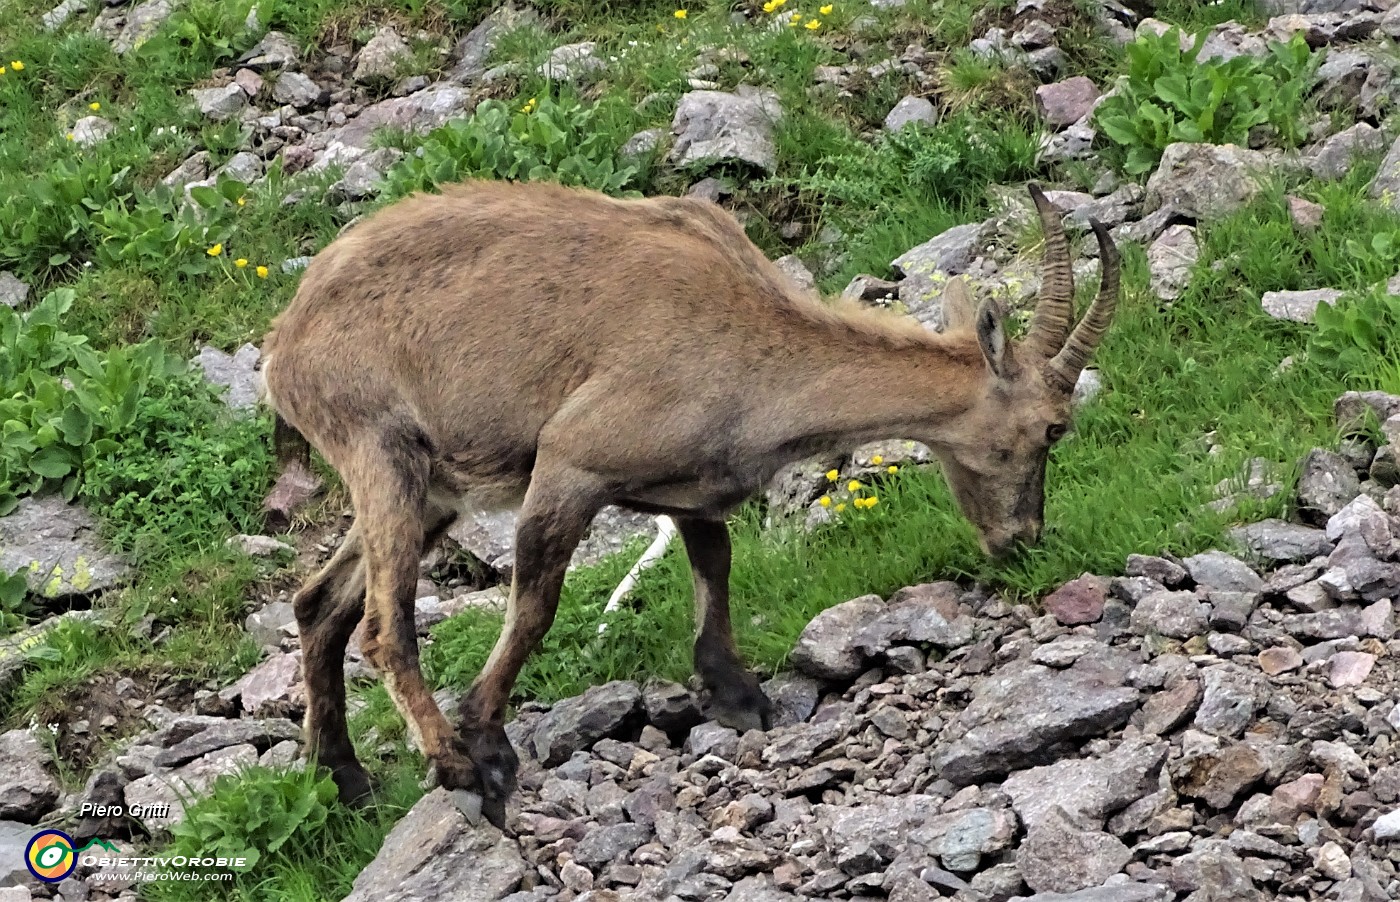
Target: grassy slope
{"x": 1130, "y": 479}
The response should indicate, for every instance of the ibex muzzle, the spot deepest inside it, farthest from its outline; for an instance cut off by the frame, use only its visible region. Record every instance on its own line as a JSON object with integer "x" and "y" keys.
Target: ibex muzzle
{"x": 561, "y": 350}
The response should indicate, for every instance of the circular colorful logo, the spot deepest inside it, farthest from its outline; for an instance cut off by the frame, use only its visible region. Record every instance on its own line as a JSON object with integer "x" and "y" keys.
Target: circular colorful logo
{"x": 50, "y": 855}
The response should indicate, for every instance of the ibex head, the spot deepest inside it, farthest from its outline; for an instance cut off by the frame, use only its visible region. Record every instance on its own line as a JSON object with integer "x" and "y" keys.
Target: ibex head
{"x": 994, "y": 458}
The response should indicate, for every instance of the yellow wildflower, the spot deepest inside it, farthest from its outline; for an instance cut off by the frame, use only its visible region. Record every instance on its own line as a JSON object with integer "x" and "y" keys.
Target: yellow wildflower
{"x": 216, "y": 250}
{"x": 679, "y": 14}
{"x": 241, "y": 262}
{"x": 824, "y": 501}
{"x": 94, "y": 106}
{"x": 840, "y": 507}
{"x": 796, "y": 17}
{"x": 833, "y": 475}
{"x": 813, "y": 24}
{"x": 872, "y": 501}
{"x": 853, "y": 485}
{"x": 892, "y": 469}
{"x": 2, "y": 68}
{"x": 242, "y": 201}
{"x": 17, "y": 65}
{"x": 877, "y": 459}
{"x": 826, "y": 10}
{"x": 262, "y": 272}
{"x": 529, "y": 106}
{"x": 70, "y": 137}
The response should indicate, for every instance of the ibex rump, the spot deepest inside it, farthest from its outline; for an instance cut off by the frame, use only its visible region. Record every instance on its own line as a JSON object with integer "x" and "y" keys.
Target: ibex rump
{"x": 555, "y": 348}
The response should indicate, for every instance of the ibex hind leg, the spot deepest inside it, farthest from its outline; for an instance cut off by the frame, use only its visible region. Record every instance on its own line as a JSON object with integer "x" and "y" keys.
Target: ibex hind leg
{"x": 328, "y": 608}
{"x": 390, "y": 492}
{"x": 735, "y": 698}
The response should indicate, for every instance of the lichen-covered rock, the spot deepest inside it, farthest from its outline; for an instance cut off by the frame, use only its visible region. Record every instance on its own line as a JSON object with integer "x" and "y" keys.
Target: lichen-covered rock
{"x": 56, "y": 545}
{"x": 718, "y": 127}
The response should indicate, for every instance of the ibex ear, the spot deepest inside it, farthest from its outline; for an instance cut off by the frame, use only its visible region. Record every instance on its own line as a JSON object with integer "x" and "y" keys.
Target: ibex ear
{"x": 958, "y": 310}
{"x": 991, "y": 335}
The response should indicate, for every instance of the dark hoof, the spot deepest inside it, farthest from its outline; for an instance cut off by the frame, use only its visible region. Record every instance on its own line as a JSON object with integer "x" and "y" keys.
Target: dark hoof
{"x": 352, "y": 784}
{"x": 741, "y": 708}
{"x": 496, "y": 766}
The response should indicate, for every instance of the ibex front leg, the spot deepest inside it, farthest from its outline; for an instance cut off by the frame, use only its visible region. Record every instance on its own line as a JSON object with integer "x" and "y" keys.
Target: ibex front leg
{"x": 553, "y": 519}
{"x": 735, "y": 698}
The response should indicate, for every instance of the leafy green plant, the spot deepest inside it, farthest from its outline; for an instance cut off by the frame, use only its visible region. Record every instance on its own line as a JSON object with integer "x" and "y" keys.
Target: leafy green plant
{"x": 542, "y": 139}
{"x": 50, "y": 223}
{"x": 1171, "y": 95}
{"x": 61, "y": 403}
{"x": 1359, "y": 333}
{"x": 158, "y": 233}
{"x": 14, "y": 595}
{"x": 253, "y": 814}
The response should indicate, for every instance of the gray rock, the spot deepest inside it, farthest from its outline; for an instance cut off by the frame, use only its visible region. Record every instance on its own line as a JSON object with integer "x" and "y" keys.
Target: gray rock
{"x": 365, "y": 176}
{"x": 1326, "y": 485}
{"x": 244, "y": 166}
{"x": 1297, "y": 306}
{"x": 237, "y": 373}
{"x": 222, "y": 103}
{"x": 1067, "y": 102}
{"x": 27, "y": 792}
{"x": 669, "y": 706}
{"x": 91, "y": 130}
{"x": 1022, "y": 710}
{"x": 1367, "y": 577}
{"x": 1334, "y": 157}
{"x": 642, "y": 144}
{"x": 1353, "y": 408}
{"x": 1230, "y": 701}
{"x": 797, "y": 271}
{"x": 142, "y": 23}
{"x": 1059, "y": 857}
{"x": 1207, "y": 181}
{"x": 922, "y": 614}
{"x": 1386, "y": 185}
{"x": 1117, "y": 892}
{"x": 435, "y": 853}
{"x": 14, "y": 838}
{"x": 1162, "y": 570}
{"x": 298, "y": 90}
{"x": 472, "y": 52}
{"x": 1212, "y": 872}
{"x": 1278, "y": 540}
{"x": 56, "y": 17}
{"x": 273, "y": 687}
{"x": 56, "y": 545}
{"x": 825, "y": 648}
{"x": 927, "y": 268}
{"x": 577, "y": 723}
{"x": 718, "y": 127}
{"x": 1178, "y": 615}
{"x": 1218, "y": 570}
{"x": 417, "y": 114}
{"x": 573, "y": 62}
{"x": 272, "y": 623}
{"x": 1087, "y": 791}
{"x": 195, "y": 168}
{"x": 382, "y": 56}
{"x": 204, "y": 736}
{"x": 274, "y": 51}
{"x": 490, "y": 536}
{"x": 13, "y": 292}
{"x": 911, "y": 109}
{"x": 1219, "y": 776}
{"x": 794, "y": 698}
{"x": 1171, "y": 260}
{"x": 175, "y": 788}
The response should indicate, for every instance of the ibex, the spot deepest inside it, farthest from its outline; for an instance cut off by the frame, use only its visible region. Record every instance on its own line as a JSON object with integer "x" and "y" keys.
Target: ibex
{"x": 559, "y": 350}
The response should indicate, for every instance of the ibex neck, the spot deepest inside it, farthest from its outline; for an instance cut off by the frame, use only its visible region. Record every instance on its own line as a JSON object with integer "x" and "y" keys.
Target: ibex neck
{"x": 852, "y": 392}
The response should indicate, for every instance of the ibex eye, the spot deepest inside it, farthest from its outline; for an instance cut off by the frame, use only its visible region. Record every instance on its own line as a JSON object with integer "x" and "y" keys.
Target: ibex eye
{"x": 1056, "y": 432}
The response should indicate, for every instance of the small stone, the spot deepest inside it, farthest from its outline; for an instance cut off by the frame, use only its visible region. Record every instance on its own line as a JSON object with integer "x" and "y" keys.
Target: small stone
{"x": 1065, "y": 103}
{"x": 1297, "y": 306}
{"x": 1349, "y": 668}
{"x": 911, "y": 109}
{"x": 1078, "y": 601}
{"x": 1279, "y": 659}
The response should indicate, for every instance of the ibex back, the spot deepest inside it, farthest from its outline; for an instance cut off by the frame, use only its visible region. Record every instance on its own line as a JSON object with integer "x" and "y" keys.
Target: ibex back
{"x": 559, "y": 350}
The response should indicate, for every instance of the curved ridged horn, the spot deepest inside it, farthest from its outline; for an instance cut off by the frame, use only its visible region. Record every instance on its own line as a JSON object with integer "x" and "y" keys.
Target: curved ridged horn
{"x": 1054, "y": 310}
{"x": 1067, "y": 365}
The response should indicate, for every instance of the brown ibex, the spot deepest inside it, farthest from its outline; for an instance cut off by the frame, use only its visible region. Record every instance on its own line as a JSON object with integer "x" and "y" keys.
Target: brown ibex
{"x": 560, "y": 350}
